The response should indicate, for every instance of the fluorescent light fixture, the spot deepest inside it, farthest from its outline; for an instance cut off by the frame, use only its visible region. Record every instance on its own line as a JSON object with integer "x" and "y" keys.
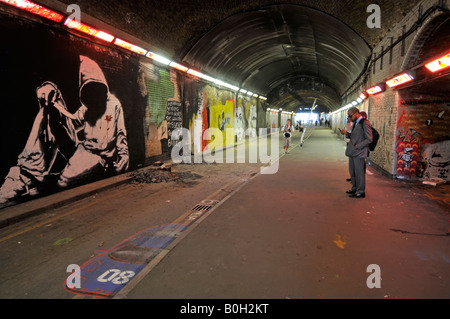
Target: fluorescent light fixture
{"x": 157, "y": 58}
{"x": 216, "y": 81}
{"x": 439, "y": 64}
{"x": 400, "y": 79}
{"x": 375, "y": 89}
{"x": 359, "y": 100}
{"x": 130, "y": 46}
{"x": 342, "y": 108}
{"x": 363, "y": 96}
{"x": 243, "y": 91}
{"x": 35, "y": 9}
{"x": 249, "y": 93}
{"x": 72, "y": 24}
{"x": 178, "y": 66}
{"x": 195, "y": 73}
{"x": 263, "y": 98}
{"x": 231, "y": 86}
{"x": 208, "y": 78}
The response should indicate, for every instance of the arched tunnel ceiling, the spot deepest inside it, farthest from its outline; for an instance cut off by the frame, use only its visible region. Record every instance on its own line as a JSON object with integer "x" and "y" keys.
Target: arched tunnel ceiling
{"x": 284, "y": 49}
{"x": 172, "y": 28}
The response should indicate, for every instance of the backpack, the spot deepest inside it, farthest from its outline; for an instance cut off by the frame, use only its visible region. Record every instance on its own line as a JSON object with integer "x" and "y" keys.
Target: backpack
{"x": 375, "y": 138}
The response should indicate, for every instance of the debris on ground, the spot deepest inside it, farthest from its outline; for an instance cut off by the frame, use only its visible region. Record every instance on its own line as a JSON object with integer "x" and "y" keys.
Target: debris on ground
{"x": 434, "y": 181}
{"x": 161, "y": 173}
{"x": 154, "y": 174}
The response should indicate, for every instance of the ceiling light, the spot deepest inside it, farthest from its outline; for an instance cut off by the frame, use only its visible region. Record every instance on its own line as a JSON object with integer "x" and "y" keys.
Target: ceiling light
{"x": 35, "y": 9}
{"x": 157, "y": 58}
{"x": 72, "y": 24}
{"x": 178, "y": 66}
{"x": 129, "y": 46}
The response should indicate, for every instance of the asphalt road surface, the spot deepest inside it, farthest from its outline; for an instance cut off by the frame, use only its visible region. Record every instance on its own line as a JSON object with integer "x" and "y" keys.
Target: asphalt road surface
{"x": 228, "y": 231}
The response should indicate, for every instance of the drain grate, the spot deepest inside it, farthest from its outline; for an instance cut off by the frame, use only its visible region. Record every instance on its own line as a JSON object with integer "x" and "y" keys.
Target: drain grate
{"x": 201, "y": 208}
{"x": 204, "y": 205}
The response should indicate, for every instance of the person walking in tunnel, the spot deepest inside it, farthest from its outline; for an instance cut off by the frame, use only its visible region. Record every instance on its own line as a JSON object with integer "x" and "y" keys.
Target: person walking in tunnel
{"x": 357, "y": 152}
{"x": 287, "y": 131}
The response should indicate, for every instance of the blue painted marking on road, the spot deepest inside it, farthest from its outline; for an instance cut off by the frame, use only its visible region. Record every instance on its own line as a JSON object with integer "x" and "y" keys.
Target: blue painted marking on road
{"x": 107, "y": 273}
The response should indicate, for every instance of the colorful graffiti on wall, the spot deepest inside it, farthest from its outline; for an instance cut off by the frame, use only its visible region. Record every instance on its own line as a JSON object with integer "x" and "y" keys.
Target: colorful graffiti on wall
{"x": 272, "y": 119}
{"x": 86, "y": 111}
{"x": 423, "y": 140}
{"x": 66, "y": 111}
{"x": 163, "y": 112}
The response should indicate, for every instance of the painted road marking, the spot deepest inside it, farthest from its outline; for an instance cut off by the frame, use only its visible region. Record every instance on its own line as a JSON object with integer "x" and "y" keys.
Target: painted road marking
{"x": 108, "y": 273}
{"x": 135, "y": 281}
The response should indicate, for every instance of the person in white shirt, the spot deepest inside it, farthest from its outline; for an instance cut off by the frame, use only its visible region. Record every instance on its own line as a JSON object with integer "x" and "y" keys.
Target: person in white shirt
{"x": 287, "y": 131}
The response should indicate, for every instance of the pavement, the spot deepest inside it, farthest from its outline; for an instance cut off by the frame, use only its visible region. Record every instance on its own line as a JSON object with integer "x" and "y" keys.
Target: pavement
{"x": 13, "y": 214}
{"x": 296, "y": 234}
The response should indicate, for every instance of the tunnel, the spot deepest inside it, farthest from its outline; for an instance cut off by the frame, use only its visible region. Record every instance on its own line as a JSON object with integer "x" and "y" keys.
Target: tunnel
{"x": 134, "y": 111}
{"x": 291, "y": 53}
{"x": 233, "y": 65}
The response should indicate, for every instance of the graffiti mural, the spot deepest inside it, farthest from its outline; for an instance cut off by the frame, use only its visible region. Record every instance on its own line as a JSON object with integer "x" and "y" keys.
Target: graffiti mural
{"x": 436, "y": 159}
{"x": 221, "y": 106}
{"x": 423, "y": 140}
{"x": 163, "y": 111}
{"x": 252, "y": 120}
{"x": 239, "y": 124}
{"x": 86, "y": 111}
{"x": 66, "y": 121}
{"x": 272, "y": 120}
{"x": 174, "y": 118}
{"x": 408, "y": 158}
{"x": 249, "y": 122}
{"x": 197, "y": 113}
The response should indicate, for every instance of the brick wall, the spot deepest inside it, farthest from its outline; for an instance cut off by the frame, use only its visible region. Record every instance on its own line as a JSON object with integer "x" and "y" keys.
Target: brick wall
{"x": 384, "y": 108}
{"x": 383, "y": 117}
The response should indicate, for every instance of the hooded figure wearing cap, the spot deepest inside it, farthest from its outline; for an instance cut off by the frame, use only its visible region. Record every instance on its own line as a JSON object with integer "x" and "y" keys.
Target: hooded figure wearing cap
{"x": 67, "y": 146}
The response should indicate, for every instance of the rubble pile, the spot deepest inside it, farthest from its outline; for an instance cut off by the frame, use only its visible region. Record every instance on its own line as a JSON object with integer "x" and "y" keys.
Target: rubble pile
{"x": 158, "y": 173}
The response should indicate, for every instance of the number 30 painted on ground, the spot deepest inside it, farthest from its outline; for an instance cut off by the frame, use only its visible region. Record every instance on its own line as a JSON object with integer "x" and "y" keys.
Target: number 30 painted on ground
{"x": 116, "y": 276}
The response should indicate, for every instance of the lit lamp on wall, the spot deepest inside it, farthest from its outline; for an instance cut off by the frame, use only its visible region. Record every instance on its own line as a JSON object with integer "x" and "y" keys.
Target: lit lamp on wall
{"x": 35, "y": 9}
{"x": 72, "y": 24}
{"x": 400, "y": 79}
{"x": 439, "y": 64}
{"x": 129, "y": 46}
{"x": 376, "y": 89}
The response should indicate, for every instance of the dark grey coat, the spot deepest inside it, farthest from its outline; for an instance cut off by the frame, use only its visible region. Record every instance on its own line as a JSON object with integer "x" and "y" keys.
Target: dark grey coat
{"x": 361, "y": 136}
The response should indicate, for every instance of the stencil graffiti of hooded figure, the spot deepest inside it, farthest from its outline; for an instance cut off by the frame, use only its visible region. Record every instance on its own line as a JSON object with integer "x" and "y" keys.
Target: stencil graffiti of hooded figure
{"x": 71, "y": 146}
{"x": 103, "y": 141}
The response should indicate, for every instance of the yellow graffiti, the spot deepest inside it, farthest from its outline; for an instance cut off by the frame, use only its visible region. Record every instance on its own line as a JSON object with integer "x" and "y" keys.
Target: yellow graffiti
{"x": 339, "y": 242}
{"x": 222, "y": 118}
